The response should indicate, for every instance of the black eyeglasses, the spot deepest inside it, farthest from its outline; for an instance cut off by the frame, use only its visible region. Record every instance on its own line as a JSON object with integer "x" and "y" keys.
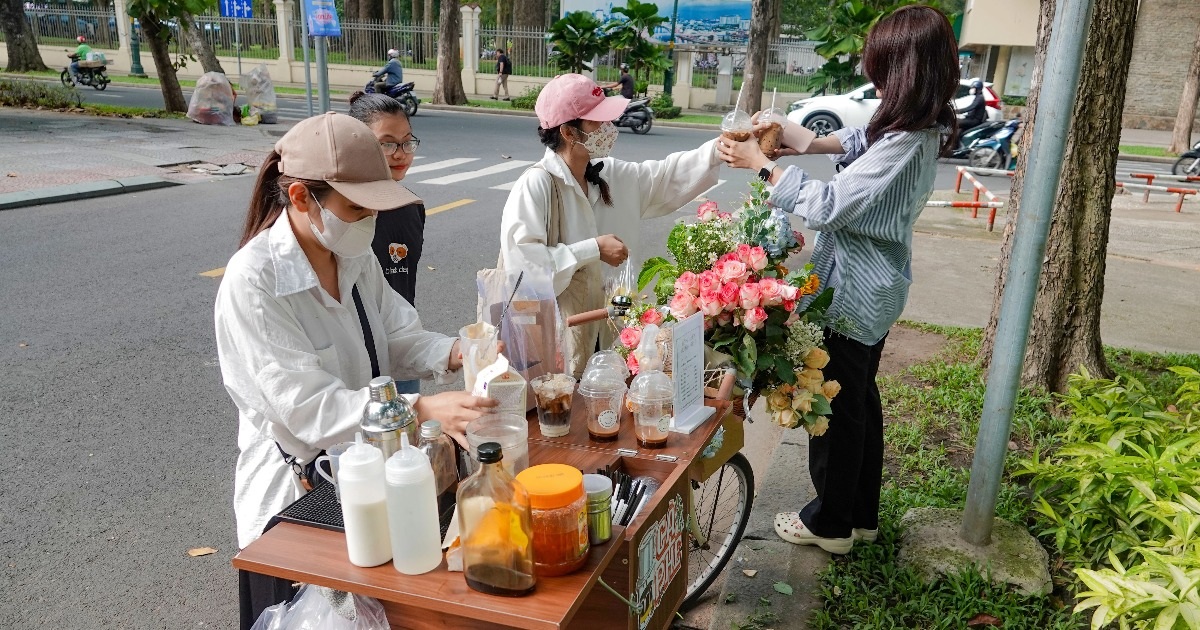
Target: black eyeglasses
{"x": 408, "y": 146}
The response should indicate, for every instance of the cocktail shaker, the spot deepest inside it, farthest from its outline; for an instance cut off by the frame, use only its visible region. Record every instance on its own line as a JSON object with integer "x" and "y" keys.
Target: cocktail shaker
{"x": 386, "y": 416}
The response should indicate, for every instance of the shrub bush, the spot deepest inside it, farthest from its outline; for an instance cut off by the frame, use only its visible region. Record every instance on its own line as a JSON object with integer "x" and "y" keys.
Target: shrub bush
{"x": 664, "y": 106}
{"x": 15, "y": 93}
{"x": 1018, "y": 101}
{"x": 528, "y": 99}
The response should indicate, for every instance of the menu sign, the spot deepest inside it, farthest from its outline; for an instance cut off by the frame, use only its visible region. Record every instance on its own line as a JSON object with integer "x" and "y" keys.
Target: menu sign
{"x": 687, "y": 369}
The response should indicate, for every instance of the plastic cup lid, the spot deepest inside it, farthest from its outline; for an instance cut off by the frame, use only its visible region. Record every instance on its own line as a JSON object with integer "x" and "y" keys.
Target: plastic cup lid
{"x": 736, "y": 120}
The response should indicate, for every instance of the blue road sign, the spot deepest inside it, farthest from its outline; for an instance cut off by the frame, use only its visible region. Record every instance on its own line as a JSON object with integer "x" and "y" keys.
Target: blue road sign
{"x": 236, "y": 8}
{"x": 322, "y": 18}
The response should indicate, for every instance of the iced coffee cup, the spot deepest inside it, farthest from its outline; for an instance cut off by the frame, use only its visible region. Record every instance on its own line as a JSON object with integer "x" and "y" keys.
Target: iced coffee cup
{"x": 769, "y": 130}
{"x": 736, "y": 126}
{"x": 553, "y": 394}
{"x": 602, "y": 391}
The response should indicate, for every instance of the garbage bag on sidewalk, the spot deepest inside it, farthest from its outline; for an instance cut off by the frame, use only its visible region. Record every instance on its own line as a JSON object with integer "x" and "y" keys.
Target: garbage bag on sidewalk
{"x": 320, "y": 608}
{"x": 212, "y": 100}
{"x": 259, "y": 91}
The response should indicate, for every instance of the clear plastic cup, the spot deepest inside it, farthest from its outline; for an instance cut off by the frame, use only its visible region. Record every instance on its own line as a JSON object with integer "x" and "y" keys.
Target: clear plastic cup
{"x": 553, "y": 393}
{"x": 651, "y": 399}
{"x": 479, "y": 345}
{"x": 602, "y": 391}
{"x": 736, "y": 126}
{"x": 510, "y": 431}
{"x": 770, "y": 137}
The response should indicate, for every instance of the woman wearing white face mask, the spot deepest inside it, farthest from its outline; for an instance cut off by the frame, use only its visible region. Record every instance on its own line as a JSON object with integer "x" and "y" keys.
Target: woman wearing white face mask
{"x": 305, "y": 319}
{"x": 603, "y": 199}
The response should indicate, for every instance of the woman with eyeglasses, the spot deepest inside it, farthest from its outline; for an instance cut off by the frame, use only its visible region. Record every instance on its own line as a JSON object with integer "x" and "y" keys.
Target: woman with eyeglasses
{"x": 400, "y": 233}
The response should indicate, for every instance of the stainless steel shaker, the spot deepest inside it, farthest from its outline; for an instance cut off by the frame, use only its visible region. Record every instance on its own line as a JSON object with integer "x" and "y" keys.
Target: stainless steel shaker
{"x": 386, "y": 416}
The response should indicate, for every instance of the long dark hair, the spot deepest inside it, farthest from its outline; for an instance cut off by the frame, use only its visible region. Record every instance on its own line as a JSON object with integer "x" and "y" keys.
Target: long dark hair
{"x": 912, "y": 58}
{"x": 553, "y": 139}
{"x": 371, "y": 107}
{"x": 270, "y": 197}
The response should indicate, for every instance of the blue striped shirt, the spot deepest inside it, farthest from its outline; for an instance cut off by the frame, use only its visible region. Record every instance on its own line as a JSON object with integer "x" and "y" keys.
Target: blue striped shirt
{"x": 864, "y": 220}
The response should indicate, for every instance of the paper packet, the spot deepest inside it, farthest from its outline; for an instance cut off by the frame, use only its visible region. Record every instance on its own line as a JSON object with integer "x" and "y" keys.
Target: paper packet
{"x": 501, "y": 382}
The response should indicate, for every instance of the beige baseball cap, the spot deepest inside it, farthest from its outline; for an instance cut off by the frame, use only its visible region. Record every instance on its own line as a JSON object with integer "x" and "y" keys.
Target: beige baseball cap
{"x": 344, "y": 153}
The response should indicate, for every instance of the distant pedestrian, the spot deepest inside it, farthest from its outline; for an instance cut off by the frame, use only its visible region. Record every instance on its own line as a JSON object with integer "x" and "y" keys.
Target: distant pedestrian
{"x": 399, "y": 234}
{"x": 503, "y": 69}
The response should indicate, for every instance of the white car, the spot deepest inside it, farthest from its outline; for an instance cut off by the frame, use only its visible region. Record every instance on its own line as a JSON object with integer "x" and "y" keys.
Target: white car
{"x": 824, "y": 114}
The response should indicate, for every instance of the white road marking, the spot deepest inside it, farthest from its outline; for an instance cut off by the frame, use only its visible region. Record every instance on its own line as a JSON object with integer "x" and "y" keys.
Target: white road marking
{"x": 483, "y": 172}
{"x": 434, "y": 166}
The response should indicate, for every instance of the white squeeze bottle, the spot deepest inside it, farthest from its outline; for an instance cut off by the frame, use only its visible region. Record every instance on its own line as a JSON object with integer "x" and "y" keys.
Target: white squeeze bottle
{"x": 364, "y": 504}
{"x": 413, "y": 511}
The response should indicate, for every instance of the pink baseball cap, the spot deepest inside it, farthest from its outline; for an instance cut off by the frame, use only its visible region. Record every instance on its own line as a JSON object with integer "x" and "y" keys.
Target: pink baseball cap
{"x": 570, "y": 96}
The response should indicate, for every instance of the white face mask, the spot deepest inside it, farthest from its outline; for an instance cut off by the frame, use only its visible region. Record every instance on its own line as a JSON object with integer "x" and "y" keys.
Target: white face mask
{"x": 599, "y": 143}
{"x": 347, "y": 240}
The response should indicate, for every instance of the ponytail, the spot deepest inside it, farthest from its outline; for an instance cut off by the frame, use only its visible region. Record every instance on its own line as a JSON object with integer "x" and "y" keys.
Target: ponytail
{"x": 269, "y": 197}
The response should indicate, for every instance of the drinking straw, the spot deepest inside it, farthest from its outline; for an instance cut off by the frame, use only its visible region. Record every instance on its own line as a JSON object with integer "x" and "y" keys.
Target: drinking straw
{"x": 773, "y": 90}
{"x": 738, "y": 105}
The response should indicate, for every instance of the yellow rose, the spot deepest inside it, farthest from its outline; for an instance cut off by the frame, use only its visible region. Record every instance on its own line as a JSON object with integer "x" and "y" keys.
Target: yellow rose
{"x": 785, "y": 418}
{"x": 818, "y": 428}
{"x": 802, "y": 401}
{"x": 777, "y": 400}
{"x": 817, "y": 358}
{"x": 831, "y": 389}
{"x": 810, "y": 379}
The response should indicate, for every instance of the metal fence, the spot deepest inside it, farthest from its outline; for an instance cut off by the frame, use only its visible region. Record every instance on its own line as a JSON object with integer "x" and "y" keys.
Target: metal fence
{"x": 366, "y": 43}
{"x": 789, "y": 66}
{"x": 258, "y": 37}
{"x": 60, "y": 26}
{"x": 528, "y": 50}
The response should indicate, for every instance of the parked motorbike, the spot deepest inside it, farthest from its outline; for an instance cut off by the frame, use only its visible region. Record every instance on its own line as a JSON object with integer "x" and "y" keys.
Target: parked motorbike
{"x": 401, "y": 92}
{"x": 637, "y": 115}
{"x": 968, "y": 139}
{"x": 1188, "y": 163}
{"x": 91, "y": 73}
{"x": 996, "y": 151}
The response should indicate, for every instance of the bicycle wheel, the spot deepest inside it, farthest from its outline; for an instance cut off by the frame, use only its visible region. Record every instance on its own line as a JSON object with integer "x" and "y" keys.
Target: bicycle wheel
{"x": 721, "y": 507}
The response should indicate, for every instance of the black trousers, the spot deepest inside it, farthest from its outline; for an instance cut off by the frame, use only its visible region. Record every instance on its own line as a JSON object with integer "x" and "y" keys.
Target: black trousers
{"x": 258, "y": 592}
{"x": 846, "y": 463}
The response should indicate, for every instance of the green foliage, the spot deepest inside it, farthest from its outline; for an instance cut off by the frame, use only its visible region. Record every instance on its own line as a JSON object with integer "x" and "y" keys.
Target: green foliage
{"x": 17, "y": 93}
{"x": 1017, "y": 101}
{"x": 664, "y": 106}
{"x": 577, "y": 40}
{"x": 527, "y": 99}
{"x": 169, "y": 10}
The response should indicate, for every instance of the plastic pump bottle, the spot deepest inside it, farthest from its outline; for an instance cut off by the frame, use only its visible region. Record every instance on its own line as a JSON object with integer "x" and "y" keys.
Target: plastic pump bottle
{"x": 364, "y": 504}
{"x": 412, "y": 511}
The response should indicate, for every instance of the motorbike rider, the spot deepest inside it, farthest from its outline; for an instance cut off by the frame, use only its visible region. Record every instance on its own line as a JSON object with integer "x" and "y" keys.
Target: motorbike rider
{"x": 392, "y": 73}
{"x": 81, "y": 52}
{"x": 975, "y": 113}
{"x": 625, "y": 82}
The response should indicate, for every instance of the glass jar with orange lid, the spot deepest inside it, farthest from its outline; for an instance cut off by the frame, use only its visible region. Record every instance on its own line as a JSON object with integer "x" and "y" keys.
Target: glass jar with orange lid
{"x": 558, "y": 506}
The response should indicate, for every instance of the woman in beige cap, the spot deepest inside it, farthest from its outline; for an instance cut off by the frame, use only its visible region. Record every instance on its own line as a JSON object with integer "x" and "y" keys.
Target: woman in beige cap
{"x": 603, "y": 199}
{"x": 305, "y": 319}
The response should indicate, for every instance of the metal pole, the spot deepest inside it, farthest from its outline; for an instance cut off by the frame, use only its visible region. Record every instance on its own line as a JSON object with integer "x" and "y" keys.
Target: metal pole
{"x": 669, "y": 75}
{"x": 304, "y": 45}
{"x": 237, "y": 43}
{"x": 322, "y": 76}
{"x": 135, "y": 66}
{"x": 1060, "y": 81}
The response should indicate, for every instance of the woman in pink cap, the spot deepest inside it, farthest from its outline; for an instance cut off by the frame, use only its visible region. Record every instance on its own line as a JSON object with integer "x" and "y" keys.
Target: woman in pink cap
{"x": 602, "y": 199}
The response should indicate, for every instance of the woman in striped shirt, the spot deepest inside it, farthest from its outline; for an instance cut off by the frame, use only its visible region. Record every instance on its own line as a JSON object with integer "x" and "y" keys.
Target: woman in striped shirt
{"x": 864, "y": 221}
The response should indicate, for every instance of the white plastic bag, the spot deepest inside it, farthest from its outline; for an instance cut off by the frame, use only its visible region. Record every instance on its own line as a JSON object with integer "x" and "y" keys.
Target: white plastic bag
{"x": 212, "y": 100}
{"x": 259, "y": 90}
{"x": 320, "y": 608}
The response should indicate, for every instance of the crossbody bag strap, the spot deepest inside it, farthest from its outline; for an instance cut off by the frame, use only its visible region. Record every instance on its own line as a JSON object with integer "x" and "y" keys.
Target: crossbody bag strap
{"x": 368, "y": 337}
{"x": 554, "y": 213}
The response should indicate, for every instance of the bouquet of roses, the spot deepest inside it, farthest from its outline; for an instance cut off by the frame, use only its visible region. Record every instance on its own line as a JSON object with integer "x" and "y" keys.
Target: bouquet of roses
{"x": 730, "y": 267}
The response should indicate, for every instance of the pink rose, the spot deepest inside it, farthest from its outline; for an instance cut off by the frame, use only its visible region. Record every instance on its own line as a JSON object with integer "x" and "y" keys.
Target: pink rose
{"x": 757, "y": 259}
{"x": 751, "y": 296}
{"x": 683, "y": 305}
{"x": 725, "y": 319}
{"x": 799, "y": 238}
{"x": 754, "y": 318}
{"x": 707, "y": 211}
{"x": 709, "y": 281}
{"x": 724, "y": 216}
{"x": 768, "y": 289}
{"x": 732, "y": 271}
{"x": 788, "y": 292}
{"x": 710, "y": 303}
{"x": 652, "y": 316}
{"x": 632, "y": 363}
{"x": 789, "y": 305}
{"x": 630, "y": 337}
{"x": 688, "y": 282}
{"x": 743, "y": 253}
{"x": 730, "y": 296}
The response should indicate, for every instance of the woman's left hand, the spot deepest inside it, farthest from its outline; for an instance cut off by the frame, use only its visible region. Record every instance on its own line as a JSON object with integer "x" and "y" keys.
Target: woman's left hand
{"x": 454, "y": 410}
{"x": 456, "y": 359}
{"x": 744, "y": 154}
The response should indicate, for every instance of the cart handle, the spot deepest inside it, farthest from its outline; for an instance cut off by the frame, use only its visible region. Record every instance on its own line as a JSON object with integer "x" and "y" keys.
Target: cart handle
{"x": 588, "y": 317}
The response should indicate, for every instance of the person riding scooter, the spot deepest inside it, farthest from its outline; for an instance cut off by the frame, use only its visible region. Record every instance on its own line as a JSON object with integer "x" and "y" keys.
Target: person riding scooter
{"x": 81, "y": 53}
{"x": 391, "y": 74}
{"x": 975, "y": 113}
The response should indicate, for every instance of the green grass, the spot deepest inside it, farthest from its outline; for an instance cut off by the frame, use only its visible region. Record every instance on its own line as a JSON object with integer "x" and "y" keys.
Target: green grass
{"x": 1133, "y": 149}
{"x": 699, "y": 119}
{"x": 488, "y": 103}
{"x": 125, "y": 111}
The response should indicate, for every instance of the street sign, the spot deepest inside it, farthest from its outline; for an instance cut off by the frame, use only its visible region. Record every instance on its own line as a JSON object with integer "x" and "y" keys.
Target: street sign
{"x": 322, "y": 18}
{"x": 236, "y": 8}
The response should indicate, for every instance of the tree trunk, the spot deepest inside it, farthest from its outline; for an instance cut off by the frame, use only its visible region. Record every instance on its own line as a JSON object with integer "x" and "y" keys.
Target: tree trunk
{"x": 427, "y": 20}
{"x": 1181, "y": 139}
{"x": 528, "y": 15}
{"x": 156, "y": 37}
{"x": 389, "y": 11}
{"x": 23, "y": 53}
{"x": 200, "y": 45}
{"x": 419, "y": 38}
{"x": 761, "y": 12}
{"x": 448, "y": 89}
{"x": 1065, "y": 330}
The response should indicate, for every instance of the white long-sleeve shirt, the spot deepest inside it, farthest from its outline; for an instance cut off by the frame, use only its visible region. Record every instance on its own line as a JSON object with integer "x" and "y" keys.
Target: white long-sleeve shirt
{"x": 294, "y": 361}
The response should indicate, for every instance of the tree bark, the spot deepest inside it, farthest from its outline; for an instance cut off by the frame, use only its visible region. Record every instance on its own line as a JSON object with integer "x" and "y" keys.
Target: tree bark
{"x": 427, "y": 20}
{"x": 528, "y": 15}
{"x": 389, "y": 11}
{"x": 1181, "y": 138}
{"x": 23, "y": 53}
{"x": 156, "y": 37}
{"x": 448, "y": 89}
{"x": 1065, "y": 330}
{"x": 200, "y": 45}
{"x": 419, "y": 39}
{"x": 761, "y": 12}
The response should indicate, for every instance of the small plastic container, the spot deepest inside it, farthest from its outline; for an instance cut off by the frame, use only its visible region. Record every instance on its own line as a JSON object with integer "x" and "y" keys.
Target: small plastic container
{"x": 511, "y": 432}
{"x": 602, "y": 390}
{"x": 599, "y": 489}
{"x": 559, "y": 510}
{"x": 651, "y": 400}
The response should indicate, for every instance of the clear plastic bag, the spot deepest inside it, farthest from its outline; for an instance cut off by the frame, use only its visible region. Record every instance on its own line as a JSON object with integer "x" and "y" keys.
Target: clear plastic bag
{"x": 212, "y": 100}
{"x": 533, "y": 329}
{"x": 259, "y": 90}
{"x": 320, "y": 608}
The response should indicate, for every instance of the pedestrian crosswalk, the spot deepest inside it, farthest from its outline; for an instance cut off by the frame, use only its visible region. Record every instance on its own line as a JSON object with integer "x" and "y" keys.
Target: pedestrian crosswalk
{"x": 483, "y": 172}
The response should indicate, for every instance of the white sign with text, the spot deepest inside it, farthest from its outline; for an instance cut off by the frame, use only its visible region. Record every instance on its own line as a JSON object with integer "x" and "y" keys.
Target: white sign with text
{"x": 687, "y": 369}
